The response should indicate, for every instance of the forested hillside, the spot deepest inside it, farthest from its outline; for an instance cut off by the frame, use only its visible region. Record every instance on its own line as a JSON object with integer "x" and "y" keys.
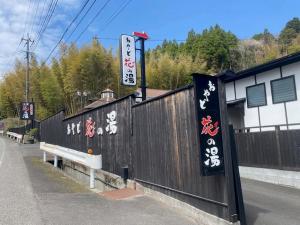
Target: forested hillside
{"x": 92, "y": 68}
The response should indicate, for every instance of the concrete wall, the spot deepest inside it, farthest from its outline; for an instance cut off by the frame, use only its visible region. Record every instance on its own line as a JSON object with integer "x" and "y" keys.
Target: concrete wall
{"x": 271, "y": 114}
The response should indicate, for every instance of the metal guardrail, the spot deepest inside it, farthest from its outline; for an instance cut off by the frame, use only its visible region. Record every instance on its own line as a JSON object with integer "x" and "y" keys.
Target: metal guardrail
{"x": 15, "y": 136}
{"x": 94, "y": 162}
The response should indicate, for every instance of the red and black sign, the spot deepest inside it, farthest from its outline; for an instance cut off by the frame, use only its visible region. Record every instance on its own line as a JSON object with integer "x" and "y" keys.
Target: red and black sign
{"x": 209, "y": 124}
{"x": 27, "y": 111}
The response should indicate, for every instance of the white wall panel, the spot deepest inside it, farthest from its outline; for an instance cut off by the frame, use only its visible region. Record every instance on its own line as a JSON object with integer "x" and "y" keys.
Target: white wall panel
{"x": 240, "y": 86}
{"x": 293, "y": 108}
{"x": 271, "y": 114}
{"x": 251, "y": 117}
{"x": 251, "y": 114}
{"x": 229, "y": 87}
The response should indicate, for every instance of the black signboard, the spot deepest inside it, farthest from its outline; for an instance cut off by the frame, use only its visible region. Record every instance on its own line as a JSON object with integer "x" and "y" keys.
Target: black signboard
{"x": 27, "y": 111}
{"x": 209, "y": 124}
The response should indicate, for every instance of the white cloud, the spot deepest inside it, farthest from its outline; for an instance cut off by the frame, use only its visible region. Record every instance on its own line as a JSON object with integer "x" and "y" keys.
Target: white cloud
{"x": 13, "y": 16}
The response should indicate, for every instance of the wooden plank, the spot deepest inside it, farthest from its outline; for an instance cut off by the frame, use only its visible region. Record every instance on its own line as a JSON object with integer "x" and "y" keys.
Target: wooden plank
{"x": 270, "y": 149}
{"x": 166, "y": 143}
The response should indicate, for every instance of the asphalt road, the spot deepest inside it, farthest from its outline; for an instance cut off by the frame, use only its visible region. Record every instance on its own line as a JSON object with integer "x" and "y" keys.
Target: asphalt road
{"x": 33, "y": 193}
{"x": 268, "y": 204}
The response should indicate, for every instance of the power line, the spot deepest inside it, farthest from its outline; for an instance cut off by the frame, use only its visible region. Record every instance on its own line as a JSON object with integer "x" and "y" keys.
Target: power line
{"x": 162, "y": 40}
{"x": 27, "y": 18}
{"x": 152, "y": 40}
{"x": 66, "y": 30}
{"x": 40, "y": 18}
{"x": 116, "y": 14}
{"x": 45, "y": 24}
{"x": 82, "y": 18}
{"x": 109, "y": 20}
{"x": 34, "y": 17}
{"x": 31, "y": 18}
{"x": 93, "y": 19}
{"x": 96, "y": 16}
{"x": 13, "y": 54}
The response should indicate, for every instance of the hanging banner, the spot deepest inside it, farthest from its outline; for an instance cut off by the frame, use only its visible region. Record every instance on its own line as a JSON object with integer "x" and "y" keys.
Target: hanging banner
{"x": 27, "y": 111}
{"x": 128, "y": 63}
{"x": 209, "y": 124}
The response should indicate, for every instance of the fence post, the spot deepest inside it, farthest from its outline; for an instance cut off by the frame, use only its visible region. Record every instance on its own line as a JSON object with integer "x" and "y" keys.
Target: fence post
{"x": 55, "y": 161}
{"x": 232, "y": 204}
{"x": 237, "y": 179}
{"x": 45, "y": 156}
{"x": 92, "y": 178}
{"x": 277, "y": 135}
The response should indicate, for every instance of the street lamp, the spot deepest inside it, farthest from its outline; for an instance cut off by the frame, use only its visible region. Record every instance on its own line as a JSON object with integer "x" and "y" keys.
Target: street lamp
{"x": 82, "y": 95}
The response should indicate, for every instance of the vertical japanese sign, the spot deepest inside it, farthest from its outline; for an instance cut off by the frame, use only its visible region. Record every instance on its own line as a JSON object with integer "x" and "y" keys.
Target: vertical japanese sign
{"x": 209, "y": 124}
{"x": 27, "y": 111}
{"x": 128, "y": 64}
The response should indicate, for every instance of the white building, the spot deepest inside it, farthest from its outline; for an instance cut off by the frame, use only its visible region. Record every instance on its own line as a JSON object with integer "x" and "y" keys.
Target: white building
{"x": 264, "y": 96}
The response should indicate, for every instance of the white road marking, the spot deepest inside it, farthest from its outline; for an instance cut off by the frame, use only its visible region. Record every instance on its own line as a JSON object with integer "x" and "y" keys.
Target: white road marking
{"x": 3, "y": 151}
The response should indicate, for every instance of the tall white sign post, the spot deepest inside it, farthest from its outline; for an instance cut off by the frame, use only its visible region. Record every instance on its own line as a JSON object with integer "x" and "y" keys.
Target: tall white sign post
{"x": 128, "y": 62}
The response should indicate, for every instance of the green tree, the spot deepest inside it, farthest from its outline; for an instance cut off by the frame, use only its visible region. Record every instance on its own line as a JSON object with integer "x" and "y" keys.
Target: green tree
{"x": 288, "y": 34}
{"x": 214, "y": 47}
{"x": 293, "y": 24}
{"x": 286, "y": 38}
{"x": 266, "y": 37}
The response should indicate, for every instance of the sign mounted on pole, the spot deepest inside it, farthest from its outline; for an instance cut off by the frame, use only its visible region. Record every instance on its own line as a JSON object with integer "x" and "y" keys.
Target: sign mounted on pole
{"x": 27, "y": 111}
{"x": 209, "y": 124}
{"x": 142, "y": 35}
{"x": 128, "y": 64}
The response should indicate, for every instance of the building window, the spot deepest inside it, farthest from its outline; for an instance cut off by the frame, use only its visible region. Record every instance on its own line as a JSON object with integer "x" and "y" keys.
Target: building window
{"x": 284, "y": 89}
{"x": 256, "y": 95}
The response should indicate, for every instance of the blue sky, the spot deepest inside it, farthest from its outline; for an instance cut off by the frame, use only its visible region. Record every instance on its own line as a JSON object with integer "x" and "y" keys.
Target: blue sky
{"x": 160, "y": 19}
{"x": 173, "y": 19}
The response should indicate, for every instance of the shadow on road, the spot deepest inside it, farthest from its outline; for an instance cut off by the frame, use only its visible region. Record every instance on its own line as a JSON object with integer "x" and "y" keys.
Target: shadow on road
{"x": 253, "y": 212}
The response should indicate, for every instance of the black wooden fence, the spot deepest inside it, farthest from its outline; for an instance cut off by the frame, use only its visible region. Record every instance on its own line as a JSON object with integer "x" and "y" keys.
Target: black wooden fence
{"x": 52, "y": 130}
{"x": 26, "y": 128}
{"x": 156, "y": 139}
{"x": 167, "y": 153}
{"x": 114, "y": 148}
{"x": 279, "y": 149}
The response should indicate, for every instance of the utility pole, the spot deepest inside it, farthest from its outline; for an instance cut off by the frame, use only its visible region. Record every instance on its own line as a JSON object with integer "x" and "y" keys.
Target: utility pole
{"x": 27, "y": 43}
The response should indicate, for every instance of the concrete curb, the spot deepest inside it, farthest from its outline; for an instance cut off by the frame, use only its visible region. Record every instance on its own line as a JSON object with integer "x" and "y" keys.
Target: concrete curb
{"x": 197, "y": 215}
{"x": 273, "y": 176}
{"x": 105, "y": 179}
